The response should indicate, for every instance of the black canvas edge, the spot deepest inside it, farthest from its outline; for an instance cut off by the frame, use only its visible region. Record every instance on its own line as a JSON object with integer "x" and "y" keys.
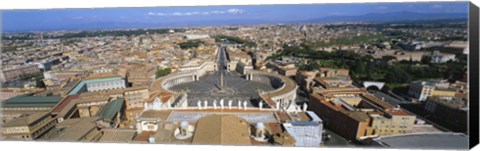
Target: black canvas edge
{"x": 473, "y": 79}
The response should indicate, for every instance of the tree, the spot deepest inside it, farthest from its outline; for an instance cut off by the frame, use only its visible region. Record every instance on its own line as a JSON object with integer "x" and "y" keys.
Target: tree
{"x": 359, "y": 67}
{"x": 40, "y": 83}
{"x": 397, "y": 75}
{"x": 388, "y": 58}
{"x": 163, "y": 72}
{"x": 190, "y": 44}
{"x": 311, "y": 66}
{"x": 426, "y": 60}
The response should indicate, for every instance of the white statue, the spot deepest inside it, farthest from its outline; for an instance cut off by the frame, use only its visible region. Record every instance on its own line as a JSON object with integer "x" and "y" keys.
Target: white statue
{"x": 205, "y": 104}
{"x": 214, "y": 104}
{"x": 239, "y": 104}
{"x": 221, "y": 104}
{"x": 305, "y": 107}
{"x": 157, "y": 104}
{"x": 199, "y": 105}
{"x": 145, "y": 106}
{"x": 260, "y": 105}
{"x": 245, "y": 105}
{"x": 230, "y": 104}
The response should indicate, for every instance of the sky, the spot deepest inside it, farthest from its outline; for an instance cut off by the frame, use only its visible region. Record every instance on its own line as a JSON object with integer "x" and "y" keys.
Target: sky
{"x": 70, "y": 19}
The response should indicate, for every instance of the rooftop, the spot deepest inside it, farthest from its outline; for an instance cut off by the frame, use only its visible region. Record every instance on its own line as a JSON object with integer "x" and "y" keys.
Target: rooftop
{"x": 64, "y": 103}
{"x": 117, "y": 135}
{"x": 26, "y": 120}
{"x": 425, "y": 141}
{"x": 112, "y": 108}
{"x": 80, "y": 85}
{"x": 77, "y": 131}
{"x": 222, "y": 129}
{"x": 31, "y": 101}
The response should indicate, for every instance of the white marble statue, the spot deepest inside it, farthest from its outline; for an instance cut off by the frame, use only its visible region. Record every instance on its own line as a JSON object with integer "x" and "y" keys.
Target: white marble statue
{"x": 145, "y": 106}
{"x": 214, "y": 104}
{"x": 230, "y": 104}
{"x": 245, "y": 105}
{"x": 221, "y": 104}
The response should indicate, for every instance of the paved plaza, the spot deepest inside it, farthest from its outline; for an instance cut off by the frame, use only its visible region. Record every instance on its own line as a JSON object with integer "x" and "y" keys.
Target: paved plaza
{"x": 235, "y": 87}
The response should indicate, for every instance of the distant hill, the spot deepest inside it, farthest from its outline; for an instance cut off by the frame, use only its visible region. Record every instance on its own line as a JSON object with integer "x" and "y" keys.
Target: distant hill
{"x": 392, "y": 16}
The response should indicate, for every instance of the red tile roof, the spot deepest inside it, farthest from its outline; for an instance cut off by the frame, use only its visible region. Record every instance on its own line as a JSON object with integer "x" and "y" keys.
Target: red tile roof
{"x": 398, "y": 112}
{"x": 64, "y": 103}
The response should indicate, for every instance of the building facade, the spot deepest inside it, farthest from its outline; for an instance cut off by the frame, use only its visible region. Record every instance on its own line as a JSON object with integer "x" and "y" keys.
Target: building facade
{"x": 105, "y": 85}
{"x": 136, "y": 98}
{"x": 14, "y": 73}
{"x": 30, "y": 127}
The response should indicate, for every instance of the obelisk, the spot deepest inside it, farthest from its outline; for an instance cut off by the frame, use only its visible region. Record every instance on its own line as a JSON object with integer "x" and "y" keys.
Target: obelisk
{"x": 221, "y": 81}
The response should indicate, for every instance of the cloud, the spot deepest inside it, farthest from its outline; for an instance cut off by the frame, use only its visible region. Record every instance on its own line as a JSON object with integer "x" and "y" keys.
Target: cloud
{"x": 78, "y": 17}
{"x": 233, "y": 11}
{"x": 437, "y": 6}
{"x": 382, "y": 7}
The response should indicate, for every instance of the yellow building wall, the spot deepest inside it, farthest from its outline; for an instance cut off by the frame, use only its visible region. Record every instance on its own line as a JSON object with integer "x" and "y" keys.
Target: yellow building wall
{"x": 443, "y": 93}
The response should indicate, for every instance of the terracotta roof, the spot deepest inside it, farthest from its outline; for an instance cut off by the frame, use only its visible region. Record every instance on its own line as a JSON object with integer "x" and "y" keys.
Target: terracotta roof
{"x": 339, "y": 91}
{"x": 222, "y": 129}
{"x": 165, "y": 97}
{"x": 321, "y": 81}
{"x": 269, "y": 101}
{"x": 64, "y": 103}
{"x": 398, "y": 112}
{"x": 358, "y": 116}
{"x": 377, "y": 101}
